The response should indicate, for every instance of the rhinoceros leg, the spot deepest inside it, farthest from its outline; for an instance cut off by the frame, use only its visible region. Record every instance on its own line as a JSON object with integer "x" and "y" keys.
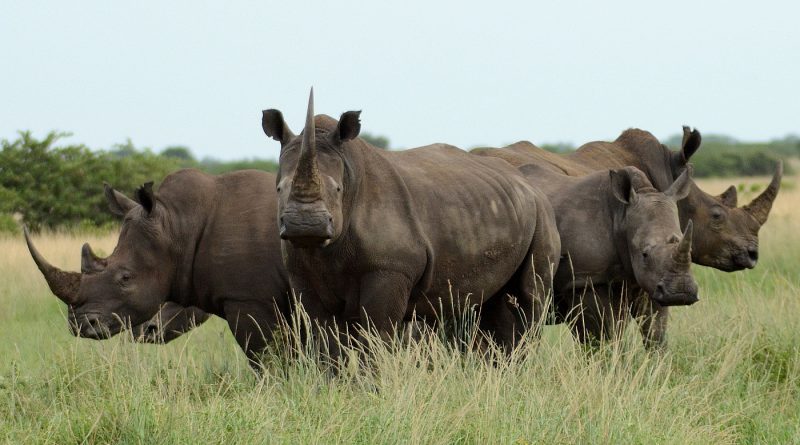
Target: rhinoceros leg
{"x": 253, "y": 324}
{"x": 523, "y": 302}
{"x": 383, "y": 301}
{"x": 598, "y": 315}
{"x": 652, "y": 319}
{"x": 502, "y": 320}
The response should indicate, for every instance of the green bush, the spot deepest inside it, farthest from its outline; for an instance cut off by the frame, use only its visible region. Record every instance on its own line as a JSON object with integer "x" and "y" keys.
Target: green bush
{"x": 56, "y": 187}
{"x": 724, "y": 156}
{"x": 737, "y": 161}
{"x": 8, "y": 224}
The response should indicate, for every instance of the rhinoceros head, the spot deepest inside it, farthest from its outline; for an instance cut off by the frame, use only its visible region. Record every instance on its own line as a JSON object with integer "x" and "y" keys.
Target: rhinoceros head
{"x": 128, "y": 287}
{"x": 312, "y": 176}
{"x": 726, "y": 235}
{"x": 659, "y": 255}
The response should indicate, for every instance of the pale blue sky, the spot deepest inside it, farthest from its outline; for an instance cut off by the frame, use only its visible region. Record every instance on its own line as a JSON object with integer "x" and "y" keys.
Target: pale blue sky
{"x": 199, "y": 73}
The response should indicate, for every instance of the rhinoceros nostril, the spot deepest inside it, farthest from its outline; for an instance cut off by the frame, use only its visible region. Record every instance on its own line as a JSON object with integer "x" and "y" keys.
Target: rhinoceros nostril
{"x": 753, "y": 254}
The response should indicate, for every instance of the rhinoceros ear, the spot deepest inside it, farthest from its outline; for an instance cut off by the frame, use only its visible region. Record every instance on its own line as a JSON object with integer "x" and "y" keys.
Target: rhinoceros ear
{"x": 118, "y": 203}
{"x": 691, "y": 142}
{"x": 146, "y": 197}
{"x": 682, "y": 186}
{"x": 275, "y": 127}
{"x": 730, "y": 198}
{"x": 348, "y": 128}
{"x": 621, "y": 186}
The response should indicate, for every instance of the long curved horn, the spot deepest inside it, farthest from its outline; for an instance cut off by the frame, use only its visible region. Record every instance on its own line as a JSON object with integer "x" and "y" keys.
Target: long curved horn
{"x": 683, "y": 252}
{"x": 307, "y": 184}
{"x": 62, "y": 283}
{"x": 759, "y": 208}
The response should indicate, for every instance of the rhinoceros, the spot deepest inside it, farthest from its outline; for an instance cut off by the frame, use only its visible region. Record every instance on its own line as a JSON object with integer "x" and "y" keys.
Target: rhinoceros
{"x": 372, "y": 237}
{"x": 617, "y": 230}
{"x": 726, "y": 236}
{"x": 205, "y": 241}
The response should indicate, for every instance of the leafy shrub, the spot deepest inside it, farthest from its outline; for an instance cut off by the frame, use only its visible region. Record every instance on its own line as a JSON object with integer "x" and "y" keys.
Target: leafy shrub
{"x": 62, "y": 186}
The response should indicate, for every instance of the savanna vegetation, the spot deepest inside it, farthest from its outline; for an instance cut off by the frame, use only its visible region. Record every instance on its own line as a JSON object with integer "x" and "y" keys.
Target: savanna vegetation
{"x": 731, "y": 374}
{"x": 55, "y": 184}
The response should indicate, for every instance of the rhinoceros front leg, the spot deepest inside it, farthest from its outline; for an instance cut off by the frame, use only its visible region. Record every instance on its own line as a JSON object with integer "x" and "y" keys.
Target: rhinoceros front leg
{"x": 600, "y": 314}
{"x": 254, "y": 325}
{"x": 652, "y": 319}
{"x": 383, "y": 301}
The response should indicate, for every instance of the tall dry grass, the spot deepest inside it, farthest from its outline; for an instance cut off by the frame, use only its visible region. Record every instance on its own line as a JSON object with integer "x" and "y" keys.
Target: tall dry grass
{"x": 731, "y": 375}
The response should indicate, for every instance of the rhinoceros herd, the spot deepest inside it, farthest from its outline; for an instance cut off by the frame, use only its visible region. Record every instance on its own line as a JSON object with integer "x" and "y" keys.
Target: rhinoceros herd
{"x": 362, "y": 236}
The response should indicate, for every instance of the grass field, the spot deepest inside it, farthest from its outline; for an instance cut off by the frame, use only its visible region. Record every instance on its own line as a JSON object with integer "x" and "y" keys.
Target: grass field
{"x": 731, "y": 375}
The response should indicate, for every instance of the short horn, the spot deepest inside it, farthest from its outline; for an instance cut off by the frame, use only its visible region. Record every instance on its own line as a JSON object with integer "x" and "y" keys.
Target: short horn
{"x": 64, "y": 285}
{"x": 759, "y": 208}
{"x": 89, "y": 261}
{"x": 683, "y": 253}
{"x": 307, "y": 185}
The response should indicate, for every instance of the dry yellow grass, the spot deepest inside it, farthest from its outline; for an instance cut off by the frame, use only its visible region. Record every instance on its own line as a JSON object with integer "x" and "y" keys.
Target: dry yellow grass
{"x": 732, "y": 374}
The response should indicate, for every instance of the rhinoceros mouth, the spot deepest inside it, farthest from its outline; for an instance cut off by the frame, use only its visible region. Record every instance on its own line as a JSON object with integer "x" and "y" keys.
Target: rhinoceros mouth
{"x": 308, "y": 242}
{"x": 735, "y": 262}
{"x": 93, "y": 327}
{"x": 746, "y": 260}
{"x": 674, "y": 299}
{"x": 307, "y": 235}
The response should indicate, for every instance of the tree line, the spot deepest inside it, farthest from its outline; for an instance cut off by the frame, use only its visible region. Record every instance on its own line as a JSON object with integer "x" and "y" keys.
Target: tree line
{"x": 48, "y": 184}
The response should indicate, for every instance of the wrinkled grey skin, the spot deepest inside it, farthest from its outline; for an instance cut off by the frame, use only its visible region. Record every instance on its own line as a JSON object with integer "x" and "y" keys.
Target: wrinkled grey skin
{"x": 172, "y": 321}
{"x": 616, "y": 229}
{"x": 205, "y": 241}
{"x": 725, "y": 236}
{"x": 374, "y": 237}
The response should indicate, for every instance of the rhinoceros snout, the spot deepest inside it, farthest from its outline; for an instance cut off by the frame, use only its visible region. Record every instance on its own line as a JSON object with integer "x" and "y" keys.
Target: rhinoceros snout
{"x": 306, "y": 228}
{"x": 91, "y": 326}
{"x": 686, "y": 295}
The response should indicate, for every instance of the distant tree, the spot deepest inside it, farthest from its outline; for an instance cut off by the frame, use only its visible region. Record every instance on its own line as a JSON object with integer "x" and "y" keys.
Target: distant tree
{"x": 559, "y": 147}
{"x": 123, "y": 150}
{"x": 179, "y": 152}
{"x": 216, "y": 167}
{"x": 376, "y": 140}
{"x": 62, "y": 186}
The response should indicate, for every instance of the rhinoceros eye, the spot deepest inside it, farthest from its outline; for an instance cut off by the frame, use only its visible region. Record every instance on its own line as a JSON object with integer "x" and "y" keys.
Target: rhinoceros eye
{"x": 125, "y": 277}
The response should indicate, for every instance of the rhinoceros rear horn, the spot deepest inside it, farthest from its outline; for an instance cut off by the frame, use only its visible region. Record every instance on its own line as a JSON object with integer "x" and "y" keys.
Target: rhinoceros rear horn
{"x": 64, "y": 285}
{"x": 759, "y": 208}
{"x": 89, "y": 261}
{"x": 683, "y": 252}
{"x": 307, "y": 184}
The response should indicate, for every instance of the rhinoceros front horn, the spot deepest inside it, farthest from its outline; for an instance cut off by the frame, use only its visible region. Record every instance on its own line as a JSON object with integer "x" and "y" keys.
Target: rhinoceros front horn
{"x": 683, "y": 252}
{"x": 759, "y": 208}
{"x": 307, "y": 184}
{"x": 63, "y": 284}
